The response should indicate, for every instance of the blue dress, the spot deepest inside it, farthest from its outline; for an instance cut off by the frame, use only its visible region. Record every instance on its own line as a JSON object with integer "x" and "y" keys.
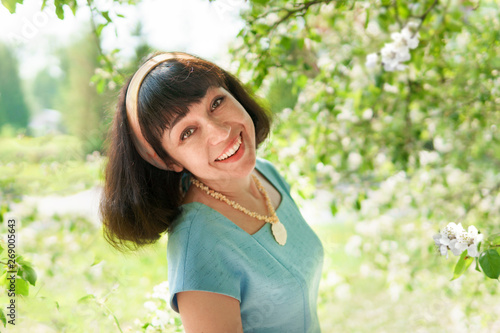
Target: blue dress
{"x": 277, "y": 286}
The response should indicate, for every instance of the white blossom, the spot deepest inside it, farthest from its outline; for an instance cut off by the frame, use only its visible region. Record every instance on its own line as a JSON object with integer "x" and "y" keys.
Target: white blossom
{"x": 161, "y": 291}
{"x": 371, "y": 60}
{"x": 447, "y": 239}
{"x": 392, "y": 56}
{"x": 469, "y": 241}
{"x": 367, "y": 114}
{"x": 149, "y": 305}
{"x": 454, "y": 238}
{"x": 354, "y": 160}
{"x": 395, "y": 53}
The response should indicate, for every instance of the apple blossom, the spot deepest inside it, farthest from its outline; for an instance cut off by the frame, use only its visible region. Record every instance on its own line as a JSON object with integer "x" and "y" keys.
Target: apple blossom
{"x": 469, "y": 241}
{"x": 393, "y": 54}
{"x": 454, "y": 238}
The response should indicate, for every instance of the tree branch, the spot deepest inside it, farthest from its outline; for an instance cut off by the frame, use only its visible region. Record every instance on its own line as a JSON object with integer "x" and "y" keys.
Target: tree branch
{"x": 424, "y": 15}
{"x": 303, "y": 9}
{"x": 474, "y": 204}
{"x": 98, "y": 40}
{"x": 396, "y": 10}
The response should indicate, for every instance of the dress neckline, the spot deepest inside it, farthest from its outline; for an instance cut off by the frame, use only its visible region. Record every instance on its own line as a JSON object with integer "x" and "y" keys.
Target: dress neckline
{"x": 277, "y": 210}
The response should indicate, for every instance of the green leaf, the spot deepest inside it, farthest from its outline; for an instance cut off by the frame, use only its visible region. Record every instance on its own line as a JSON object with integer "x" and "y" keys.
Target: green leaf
{"x": 359, "y": 200}
{"x": 300, "y": 43}
{"x": 315, "y": 37}
{"x": 301, "y": 81}
{"x": 261, "y": 2}
{"x": 86, "y": 298}
{"x": 60, "y": 12}
{"x": 2, "y": 318}
{"x": 477, "y": 265}
{"x": 286, "y": 43}
{"x": 1, "y": 248}
{"x": 101, "y": 85}
{"x": 73, "y": 5}
{"x": 11, "y": 5}
{"x": 99, "y": 29}
{"x": 3, "y": 280}
{"x": 4, "y": 208}
{"x": 261, "y": 29}
{"x": 96, "y": 261}
{"x": 106, "y": 16}
{"x": 490, "y": 263}
{"x": 333, "y": 208}
{"x": 22, "y": 287}
{"x": 463, "y": 263}
{"x": 20, "y": 260}
{"x": 27, "y": 273}
{"x": 493, "y": 241}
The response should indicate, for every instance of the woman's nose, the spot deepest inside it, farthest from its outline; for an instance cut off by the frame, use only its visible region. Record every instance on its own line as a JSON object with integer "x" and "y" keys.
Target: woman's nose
{"x": 218, "y": 132}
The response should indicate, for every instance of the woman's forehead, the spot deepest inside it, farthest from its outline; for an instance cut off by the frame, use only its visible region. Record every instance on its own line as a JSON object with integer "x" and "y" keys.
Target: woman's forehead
{"x": 211, "y": 93}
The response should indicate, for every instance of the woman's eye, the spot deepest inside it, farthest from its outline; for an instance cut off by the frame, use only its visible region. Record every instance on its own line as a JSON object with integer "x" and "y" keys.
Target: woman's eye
{"x": 187, "y": 134}
{"x": 217, "y": 102}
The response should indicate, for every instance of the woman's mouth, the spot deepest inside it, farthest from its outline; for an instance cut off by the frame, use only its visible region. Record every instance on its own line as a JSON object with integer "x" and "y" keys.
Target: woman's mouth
{"x": 231, "y": 151}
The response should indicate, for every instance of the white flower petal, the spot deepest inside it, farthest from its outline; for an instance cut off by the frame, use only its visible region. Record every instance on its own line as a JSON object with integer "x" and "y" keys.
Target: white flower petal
{"x": 453, "y": 246}
{"x": 445, "y": 240}
{"x": 371, "y": 60}
{"x": 472, "y": 251}
{"x": 443, "y": 249}
{"x": 478, "y": 238}
{"x": 472, "y": 230}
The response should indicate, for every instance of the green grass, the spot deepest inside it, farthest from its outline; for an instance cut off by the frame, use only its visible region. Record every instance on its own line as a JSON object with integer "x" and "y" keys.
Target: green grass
{"x": 73, "y": 261}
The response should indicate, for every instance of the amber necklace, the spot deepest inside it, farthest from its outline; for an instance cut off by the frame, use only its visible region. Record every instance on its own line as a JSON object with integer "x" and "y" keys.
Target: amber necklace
{"x": 278, "y": 229}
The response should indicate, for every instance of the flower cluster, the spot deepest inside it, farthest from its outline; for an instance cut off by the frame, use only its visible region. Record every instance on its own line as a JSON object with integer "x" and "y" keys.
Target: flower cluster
{"x": 161, "y": 317}
{"x": 393, "y": 54}
{"x": 454, "y": 238}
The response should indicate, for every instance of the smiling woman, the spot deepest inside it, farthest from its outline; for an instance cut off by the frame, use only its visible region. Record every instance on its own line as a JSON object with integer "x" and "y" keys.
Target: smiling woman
{"x": 240, "y": 255}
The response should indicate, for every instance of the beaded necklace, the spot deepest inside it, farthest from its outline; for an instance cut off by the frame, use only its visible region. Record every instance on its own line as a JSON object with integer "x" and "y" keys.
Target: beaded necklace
{"x": 278, "y": 229}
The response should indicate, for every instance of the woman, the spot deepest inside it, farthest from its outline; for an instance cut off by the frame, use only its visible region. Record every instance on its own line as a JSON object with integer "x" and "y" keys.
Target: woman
{"x": 183, "y": 159}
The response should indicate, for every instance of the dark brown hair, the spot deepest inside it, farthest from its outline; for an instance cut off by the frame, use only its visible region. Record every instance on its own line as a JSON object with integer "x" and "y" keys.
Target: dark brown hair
{"x": 139, "y": 201}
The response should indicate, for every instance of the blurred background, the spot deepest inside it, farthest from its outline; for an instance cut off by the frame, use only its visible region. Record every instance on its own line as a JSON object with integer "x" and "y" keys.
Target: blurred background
{"x": 386, "y": 118}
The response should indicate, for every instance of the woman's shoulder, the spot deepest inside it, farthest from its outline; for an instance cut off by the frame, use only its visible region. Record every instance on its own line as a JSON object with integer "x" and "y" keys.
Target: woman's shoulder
{"x": 271, "y": 172}
{"x": 190, "y": 215}
{"x": 197, "y": 222}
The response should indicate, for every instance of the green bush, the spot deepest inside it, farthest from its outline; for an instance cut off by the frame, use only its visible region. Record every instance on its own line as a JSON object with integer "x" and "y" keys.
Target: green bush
{"x": 51, "y": 148}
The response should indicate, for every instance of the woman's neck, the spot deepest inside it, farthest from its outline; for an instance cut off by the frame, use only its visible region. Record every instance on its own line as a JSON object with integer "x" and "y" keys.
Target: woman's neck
{"x": 239, "y": 190}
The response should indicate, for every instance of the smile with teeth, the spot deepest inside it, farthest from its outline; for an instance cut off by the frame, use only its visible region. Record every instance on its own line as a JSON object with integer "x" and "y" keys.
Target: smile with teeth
{"x": 231, "y": 151}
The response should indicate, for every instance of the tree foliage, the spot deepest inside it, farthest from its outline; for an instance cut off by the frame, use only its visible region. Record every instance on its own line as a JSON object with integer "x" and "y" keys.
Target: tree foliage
{"x": 84, "y": 110}
{"x": 13, "y": 108}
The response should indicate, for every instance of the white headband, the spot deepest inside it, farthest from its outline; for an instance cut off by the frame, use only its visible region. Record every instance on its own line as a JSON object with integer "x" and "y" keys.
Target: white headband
{"x": 143, "y": 147}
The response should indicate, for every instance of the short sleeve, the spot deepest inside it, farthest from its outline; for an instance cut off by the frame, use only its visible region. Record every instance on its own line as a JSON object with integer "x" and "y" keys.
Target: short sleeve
{"x": 196, "y": 260}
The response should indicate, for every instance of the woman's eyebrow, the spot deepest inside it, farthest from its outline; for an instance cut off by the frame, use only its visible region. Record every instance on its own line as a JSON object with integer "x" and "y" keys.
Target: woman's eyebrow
{"x": 178, "y": 118}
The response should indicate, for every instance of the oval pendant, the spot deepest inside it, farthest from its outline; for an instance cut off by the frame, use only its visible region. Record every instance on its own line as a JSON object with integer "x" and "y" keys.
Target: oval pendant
{"x": 279, "y": 232}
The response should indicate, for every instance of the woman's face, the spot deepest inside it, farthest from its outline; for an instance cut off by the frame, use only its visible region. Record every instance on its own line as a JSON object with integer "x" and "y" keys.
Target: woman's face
{"x": 215, "y": 140}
